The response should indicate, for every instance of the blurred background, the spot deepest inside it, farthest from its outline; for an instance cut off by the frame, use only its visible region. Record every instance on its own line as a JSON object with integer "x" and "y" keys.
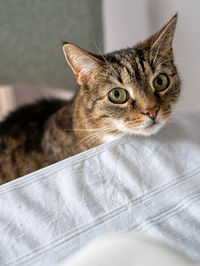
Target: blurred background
{"x": 31, "y": 34}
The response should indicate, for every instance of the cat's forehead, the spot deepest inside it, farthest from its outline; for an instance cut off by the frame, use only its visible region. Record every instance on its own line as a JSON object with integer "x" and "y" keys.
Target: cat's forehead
{"x": 135, "y": 66}
{"x": 129, "y": 66}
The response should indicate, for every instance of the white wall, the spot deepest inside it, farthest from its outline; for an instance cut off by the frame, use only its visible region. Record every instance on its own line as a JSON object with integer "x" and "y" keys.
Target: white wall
{"x": 129, "y": 21}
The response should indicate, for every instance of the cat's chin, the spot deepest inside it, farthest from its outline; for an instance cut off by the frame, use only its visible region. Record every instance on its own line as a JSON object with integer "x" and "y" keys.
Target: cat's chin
{"x": 150, "y": 130}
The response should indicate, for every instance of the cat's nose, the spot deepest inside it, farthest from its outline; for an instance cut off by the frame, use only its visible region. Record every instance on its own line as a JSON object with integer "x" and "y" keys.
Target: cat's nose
{"x": 151, "y": 112}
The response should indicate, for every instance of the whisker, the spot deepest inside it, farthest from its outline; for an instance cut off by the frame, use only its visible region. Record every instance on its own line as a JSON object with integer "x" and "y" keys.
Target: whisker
{"x": 157, "y": 65}
{"x": 93, "y": 137}
{"x": 102, "y": 130}
{"x": 106, "y": 61}
{"x": 81, "y": 129}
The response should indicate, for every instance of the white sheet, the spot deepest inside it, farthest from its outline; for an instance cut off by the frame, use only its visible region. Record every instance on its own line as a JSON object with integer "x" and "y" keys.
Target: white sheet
{"x": 146, "y": 184}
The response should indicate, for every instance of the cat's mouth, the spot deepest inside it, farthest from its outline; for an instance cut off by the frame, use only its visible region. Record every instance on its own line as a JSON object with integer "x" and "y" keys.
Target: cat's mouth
{"x": 153, "y": 124}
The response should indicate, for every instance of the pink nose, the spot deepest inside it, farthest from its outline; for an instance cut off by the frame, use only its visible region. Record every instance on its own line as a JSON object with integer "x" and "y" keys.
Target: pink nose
{"x": 151, "y": 112}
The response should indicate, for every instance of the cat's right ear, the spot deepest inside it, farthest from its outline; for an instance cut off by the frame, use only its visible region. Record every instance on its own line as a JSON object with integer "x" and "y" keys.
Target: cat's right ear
{"x": 83, "y": 64}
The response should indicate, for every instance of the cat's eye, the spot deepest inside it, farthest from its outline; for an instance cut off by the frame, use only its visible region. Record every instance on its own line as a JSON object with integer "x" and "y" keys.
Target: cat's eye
{"x": 161, "y": 82}
{"x": 118, "y": 95}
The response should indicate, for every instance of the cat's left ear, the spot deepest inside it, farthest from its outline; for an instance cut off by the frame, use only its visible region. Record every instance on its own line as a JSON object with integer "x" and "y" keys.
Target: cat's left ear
{"x": 83, "y": 63}
{"x": 161, "y": 42}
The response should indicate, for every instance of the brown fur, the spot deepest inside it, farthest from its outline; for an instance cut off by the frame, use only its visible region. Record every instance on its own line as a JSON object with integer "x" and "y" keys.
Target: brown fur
{"x": 43, "y": 133}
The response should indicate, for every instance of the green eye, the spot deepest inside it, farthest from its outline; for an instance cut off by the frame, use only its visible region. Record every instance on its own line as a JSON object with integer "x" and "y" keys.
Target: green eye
{"x": 118, "y": 95}
{"x": 161, "y": 82}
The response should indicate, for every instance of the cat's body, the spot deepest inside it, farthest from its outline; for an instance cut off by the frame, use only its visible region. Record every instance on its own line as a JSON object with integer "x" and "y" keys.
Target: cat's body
{"x": 21, "y": 139}
{"x": 131, "y": 91}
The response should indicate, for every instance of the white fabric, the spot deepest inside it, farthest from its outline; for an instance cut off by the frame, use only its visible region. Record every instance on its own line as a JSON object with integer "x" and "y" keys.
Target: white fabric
{"x": 129, "y": 249}
{"x": 147, "y": 184}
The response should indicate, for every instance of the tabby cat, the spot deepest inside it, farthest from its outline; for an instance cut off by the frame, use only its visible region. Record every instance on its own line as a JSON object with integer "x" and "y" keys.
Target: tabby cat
{"x": 130, "y": 91}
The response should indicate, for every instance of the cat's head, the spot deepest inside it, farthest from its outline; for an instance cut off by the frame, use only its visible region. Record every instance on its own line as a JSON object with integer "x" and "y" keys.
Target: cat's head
{"x": 132, "y": 90}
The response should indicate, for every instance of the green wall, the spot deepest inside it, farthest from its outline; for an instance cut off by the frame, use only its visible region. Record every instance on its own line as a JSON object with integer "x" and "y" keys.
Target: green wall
{"x": 31, "y": 33}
